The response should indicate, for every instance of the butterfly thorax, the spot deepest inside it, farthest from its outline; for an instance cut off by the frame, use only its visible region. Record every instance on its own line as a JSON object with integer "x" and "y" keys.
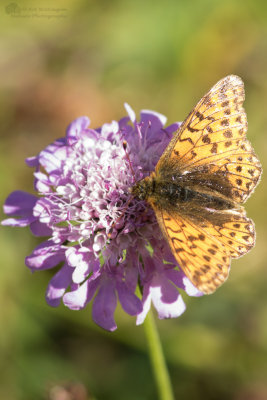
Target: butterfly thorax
{"x": 144, "y": 188}
{"x": 168, "y": 193}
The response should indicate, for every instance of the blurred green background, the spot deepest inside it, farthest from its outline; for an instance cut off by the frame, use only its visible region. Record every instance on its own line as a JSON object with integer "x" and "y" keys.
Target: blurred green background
{"x": 60, "y": 60}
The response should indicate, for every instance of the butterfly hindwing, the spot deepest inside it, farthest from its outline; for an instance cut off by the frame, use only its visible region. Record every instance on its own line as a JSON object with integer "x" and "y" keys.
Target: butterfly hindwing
{"x": 204, "y": 253}
{"x": 204, "y": 260}
{"x": 237, "y": 235}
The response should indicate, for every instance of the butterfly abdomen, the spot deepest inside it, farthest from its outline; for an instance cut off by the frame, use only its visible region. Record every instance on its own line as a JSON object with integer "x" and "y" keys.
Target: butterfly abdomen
{"x": 165, "y": 193}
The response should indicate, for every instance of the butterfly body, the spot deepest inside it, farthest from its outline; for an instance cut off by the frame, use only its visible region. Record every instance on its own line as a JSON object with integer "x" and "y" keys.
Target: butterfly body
{"x": 164, "y": 192}
{"x": 199, "y": 184}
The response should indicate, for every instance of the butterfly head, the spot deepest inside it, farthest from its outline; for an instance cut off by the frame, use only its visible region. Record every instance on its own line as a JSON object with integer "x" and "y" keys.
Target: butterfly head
{"x": 143, "y": 188}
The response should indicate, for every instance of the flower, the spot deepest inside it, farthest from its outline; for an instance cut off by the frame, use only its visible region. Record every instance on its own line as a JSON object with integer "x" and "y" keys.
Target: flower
{"x": 106, "y": 241}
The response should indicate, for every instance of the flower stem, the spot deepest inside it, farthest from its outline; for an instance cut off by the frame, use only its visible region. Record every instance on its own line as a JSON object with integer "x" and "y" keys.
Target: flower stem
{"x": 157, "y": 359}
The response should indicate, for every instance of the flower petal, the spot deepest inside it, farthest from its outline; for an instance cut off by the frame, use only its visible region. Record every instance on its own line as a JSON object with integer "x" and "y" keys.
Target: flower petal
{"x": 77, "y": 126}
{"x": 153, "y": 119}
{"x": 58, "y": 285}
{"x": 39, "y": 229}
{"x": 130, "y": 112}
{"x": 190, "y": 289}
{"x": 173, "y": 127}
{"x": 16, "y": 222}
{"x": 78, "y": 298}
{"x": 20, "y": 203}
{"x": 50, "y": 158}
{"x": 83, "y": 261}
{"x": 46, "y": 255}
{"x": 32, "y": 161}
{"x": 180, "y": 280}
{"x": 104, "y": 306}
{"x": 146, "y": 307}
{"x": 166, "y": 310}
{"x": 129, "y": 301}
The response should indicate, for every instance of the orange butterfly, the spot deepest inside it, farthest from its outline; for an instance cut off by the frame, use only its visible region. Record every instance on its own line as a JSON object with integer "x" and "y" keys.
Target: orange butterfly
{"x": 207, "y": 171}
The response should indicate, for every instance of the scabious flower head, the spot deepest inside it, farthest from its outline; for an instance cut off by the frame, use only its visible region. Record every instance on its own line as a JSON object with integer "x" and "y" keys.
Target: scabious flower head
{"x": 105, "y": 240}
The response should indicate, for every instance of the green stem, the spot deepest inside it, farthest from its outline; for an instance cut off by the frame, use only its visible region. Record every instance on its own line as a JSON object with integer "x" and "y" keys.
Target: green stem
{"x": 157, "y": 359}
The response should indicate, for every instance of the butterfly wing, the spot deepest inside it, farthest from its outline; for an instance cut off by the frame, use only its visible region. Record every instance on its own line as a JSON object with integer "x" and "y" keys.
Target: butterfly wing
{"x": 204, "y": 260}
{"x": 204, "y": 252}
{"x": 237, "y": 235}
{"x": 214, "y": 136}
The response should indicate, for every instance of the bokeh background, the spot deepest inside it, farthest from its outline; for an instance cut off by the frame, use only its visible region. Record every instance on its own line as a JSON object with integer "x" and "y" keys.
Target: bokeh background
{"x": 60, "y": 60}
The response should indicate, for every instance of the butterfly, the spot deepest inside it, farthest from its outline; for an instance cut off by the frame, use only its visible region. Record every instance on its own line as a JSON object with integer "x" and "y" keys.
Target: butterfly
{"x": 200, "y": 182}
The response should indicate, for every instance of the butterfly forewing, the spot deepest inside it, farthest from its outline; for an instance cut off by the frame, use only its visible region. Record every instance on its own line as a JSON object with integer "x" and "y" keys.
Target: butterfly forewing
{"x": 214, "y": 135}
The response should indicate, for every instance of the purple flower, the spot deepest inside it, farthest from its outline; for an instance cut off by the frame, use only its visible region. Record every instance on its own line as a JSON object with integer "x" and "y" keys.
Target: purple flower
{"x": 106, "y": 241}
